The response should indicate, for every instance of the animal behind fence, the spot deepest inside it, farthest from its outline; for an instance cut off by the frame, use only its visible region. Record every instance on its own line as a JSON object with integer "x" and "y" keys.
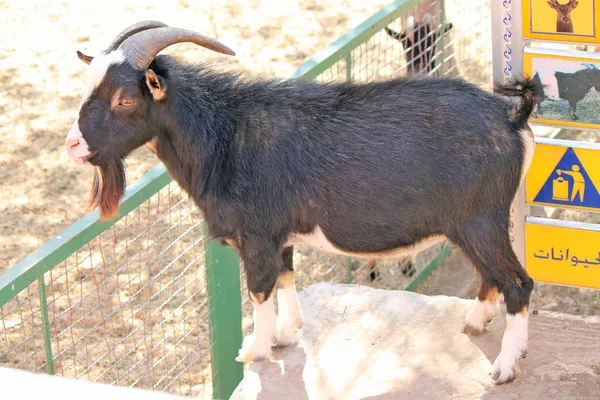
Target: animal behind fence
{"x": 420, "y": 46}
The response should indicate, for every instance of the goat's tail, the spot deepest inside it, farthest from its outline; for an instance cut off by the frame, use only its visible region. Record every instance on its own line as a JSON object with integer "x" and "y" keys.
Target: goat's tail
{"x": 529, "y": 90}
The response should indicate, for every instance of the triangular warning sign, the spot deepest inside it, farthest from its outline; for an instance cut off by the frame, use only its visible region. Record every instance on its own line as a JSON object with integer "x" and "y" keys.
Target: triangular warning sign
{"x": 569, "y": 184}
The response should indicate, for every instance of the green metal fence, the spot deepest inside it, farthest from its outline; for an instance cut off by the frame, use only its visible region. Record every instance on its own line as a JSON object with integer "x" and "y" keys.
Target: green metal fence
{"x": 146, "y": 300}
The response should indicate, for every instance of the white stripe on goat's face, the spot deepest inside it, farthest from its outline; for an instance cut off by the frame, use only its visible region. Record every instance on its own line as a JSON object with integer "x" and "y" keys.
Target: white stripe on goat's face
{"x": 77, "y": 147}
{"x": 97, "y": 70}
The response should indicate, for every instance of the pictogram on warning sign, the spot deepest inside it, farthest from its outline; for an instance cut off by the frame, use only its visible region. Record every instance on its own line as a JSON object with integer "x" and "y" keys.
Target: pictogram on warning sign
{"x": 565, "y": 181}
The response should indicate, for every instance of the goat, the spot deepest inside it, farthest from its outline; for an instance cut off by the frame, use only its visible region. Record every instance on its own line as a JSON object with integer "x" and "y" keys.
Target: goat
{"x": 574, "y": 86}
{"x": 276, "y": 163}
{"x": 421, "y": 48}
{"x": 564, "y": 23}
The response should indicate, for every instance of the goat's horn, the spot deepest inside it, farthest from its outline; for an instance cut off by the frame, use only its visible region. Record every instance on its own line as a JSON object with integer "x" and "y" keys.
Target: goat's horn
{"x": 141, "y": 48}
{"x": 132, "y": 30}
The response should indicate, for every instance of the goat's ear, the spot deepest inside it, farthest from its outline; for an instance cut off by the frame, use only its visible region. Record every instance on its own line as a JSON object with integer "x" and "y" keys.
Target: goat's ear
{"x": 406, "y": 42}
{"x": 156, "y": 84}
{"x": 84, "y": 58}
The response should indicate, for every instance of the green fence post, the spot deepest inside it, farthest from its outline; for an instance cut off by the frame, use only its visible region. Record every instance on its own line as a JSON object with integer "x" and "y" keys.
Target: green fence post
{"x": 445, "y": 250}
{"x": 349, "y": 266}
{"x": 225, "y": 307}
{"x": 46, "y": 324}
{"x": 349, "y": 67}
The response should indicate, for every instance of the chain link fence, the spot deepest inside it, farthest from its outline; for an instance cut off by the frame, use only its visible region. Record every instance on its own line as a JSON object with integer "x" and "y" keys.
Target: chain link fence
{"x": 130, "y": 306}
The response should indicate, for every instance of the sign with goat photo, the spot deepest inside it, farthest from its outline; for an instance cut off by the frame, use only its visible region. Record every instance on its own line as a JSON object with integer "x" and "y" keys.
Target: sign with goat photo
{"x": 561, "y": 20}
{"x": 564, "y": 253}
{"x": 571, "y": 82}
{"x": 564, "y": 174}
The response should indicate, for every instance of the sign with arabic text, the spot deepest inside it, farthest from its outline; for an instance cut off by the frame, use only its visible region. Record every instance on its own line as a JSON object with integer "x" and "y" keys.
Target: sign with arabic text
{"x": 564, "y": 174}
{"x": 566, "y": 253}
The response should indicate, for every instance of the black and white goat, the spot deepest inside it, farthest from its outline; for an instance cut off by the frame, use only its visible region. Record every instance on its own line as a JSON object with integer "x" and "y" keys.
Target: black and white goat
{"x": 363, "y": 169}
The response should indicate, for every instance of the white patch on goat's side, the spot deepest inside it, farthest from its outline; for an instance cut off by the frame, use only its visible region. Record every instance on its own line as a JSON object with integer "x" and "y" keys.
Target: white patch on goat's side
{"x": 257, "y": 346}
{"x": 481, "y": 313}
{"x": 318, "y": 240}
{"x": 289, "y": 320}
{"x": 514, "y": 347}
{"x": 528, "y": 140}
{"x": 97, "y": 70}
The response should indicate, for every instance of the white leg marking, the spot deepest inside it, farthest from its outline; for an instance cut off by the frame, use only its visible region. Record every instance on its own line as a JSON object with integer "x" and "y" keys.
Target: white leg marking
{"x": 257, "y": 346}
{"x": 479, "y": 316}
{"x": 289, "y": 320}
{"x": 514, "y": 346}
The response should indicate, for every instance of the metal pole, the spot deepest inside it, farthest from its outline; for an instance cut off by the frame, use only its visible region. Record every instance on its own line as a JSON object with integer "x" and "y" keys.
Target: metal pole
{"x": 46, "y": 324}
{"x": 507, "y": 47}
{"x": 349, "y": 67}
{"x": 225, "y": 307}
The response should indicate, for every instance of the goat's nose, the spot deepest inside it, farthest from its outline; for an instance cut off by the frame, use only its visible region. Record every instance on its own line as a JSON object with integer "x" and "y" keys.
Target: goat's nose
{"x": 72, "y": 144}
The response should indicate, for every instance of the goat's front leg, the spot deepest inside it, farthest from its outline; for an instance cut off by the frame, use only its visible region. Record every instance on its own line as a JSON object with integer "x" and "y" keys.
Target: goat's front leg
{"x": 261, "y": 263}
{"x": 289, "y": 320}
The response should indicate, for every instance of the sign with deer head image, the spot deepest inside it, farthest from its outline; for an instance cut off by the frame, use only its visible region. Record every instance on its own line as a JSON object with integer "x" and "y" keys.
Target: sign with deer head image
{"x": 561, "y": 20}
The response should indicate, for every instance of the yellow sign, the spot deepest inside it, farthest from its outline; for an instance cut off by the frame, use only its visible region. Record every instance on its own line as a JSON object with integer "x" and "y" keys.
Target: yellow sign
{"x": 564, "y": 174}
{"x": 566, "y": 253}
{"x": 569, "y": 78}
{"x": 561, "y": 20}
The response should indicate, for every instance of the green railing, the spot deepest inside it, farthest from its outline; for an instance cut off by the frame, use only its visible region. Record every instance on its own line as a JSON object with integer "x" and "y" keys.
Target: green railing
{"x": 146, "y": 300}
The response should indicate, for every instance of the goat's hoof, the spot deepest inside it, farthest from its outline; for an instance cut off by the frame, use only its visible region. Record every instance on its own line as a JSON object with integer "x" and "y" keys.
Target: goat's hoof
{"x": 255, "y": 350}
{"x": 288, "y": 335}
{"x": 505, "y": 370}
{"x": 472, "y": 330}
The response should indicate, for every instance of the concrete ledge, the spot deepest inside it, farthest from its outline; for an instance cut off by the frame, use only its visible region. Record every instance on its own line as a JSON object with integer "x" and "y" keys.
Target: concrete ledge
{"x": 363, "y": 343}
{"x": 18, "y": 384}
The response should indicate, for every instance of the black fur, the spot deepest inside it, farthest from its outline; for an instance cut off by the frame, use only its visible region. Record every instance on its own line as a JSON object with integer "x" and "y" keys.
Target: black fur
{"x": 574, "y": 86}
{"x": 376, "y": 165}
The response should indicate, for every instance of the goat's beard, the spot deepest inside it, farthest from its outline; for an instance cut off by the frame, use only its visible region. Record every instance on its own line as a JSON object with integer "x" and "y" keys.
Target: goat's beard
{"x": 107, "y": 188}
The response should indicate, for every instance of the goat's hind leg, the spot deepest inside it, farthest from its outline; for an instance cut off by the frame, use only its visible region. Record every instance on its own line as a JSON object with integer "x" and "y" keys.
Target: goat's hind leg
{"x": 486, "y": 241}
{"x": 289, "y": 320}
{"x": 483, "y": 311}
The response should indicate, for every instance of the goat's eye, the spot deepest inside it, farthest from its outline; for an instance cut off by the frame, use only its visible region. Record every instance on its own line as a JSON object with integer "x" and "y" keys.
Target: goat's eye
{"x": 126, "y": 102}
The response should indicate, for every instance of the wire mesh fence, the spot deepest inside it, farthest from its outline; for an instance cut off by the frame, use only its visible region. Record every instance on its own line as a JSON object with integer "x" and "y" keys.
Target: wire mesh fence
{"x": 130, "y": 307}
